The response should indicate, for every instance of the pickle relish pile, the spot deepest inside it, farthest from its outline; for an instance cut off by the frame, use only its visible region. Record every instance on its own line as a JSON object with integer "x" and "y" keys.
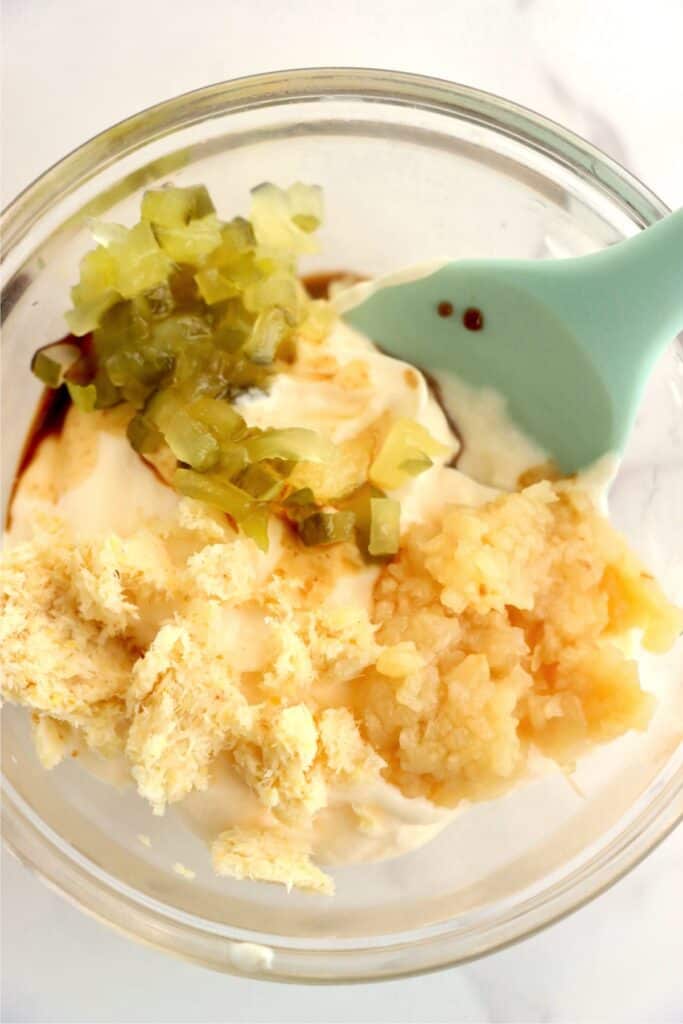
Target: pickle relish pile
{"x": 181, "y": 315}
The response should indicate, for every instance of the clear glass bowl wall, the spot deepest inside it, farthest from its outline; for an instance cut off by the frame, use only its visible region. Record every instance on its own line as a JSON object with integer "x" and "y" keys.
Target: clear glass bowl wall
{"x": 413, "y": 169}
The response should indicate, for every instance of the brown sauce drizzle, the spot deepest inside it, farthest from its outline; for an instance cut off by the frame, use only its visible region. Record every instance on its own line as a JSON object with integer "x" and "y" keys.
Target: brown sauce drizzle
{"x": 318, "y": 285}
{"x": 47, "y": 421}
{"x": 445, "y": 309}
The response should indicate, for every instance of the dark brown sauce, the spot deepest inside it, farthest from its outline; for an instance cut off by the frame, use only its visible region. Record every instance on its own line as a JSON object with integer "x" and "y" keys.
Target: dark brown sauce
{"x": 473, "y": 319}
{"x": 47, "y": 420}
{"x": 445, "y": 309}
{"x": 318, "y": 285}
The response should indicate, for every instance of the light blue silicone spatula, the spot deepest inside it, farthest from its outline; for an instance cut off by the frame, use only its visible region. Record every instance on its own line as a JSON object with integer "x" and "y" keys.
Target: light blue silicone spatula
{"x": 570, "y": 343}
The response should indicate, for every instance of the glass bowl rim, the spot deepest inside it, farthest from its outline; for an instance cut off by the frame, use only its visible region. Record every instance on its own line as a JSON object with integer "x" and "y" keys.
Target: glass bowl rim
{"x": 22, "y": 831}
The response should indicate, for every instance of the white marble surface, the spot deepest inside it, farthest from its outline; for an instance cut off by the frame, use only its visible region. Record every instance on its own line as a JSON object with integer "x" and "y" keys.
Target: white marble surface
{"x": 611, "y": 70}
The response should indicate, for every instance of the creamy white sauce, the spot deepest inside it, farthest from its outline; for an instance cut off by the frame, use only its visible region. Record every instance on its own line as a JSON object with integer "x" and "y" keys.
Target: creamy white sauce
{"x": 373, "y": 823}
{"x": 119, "y": 495}
{"x": 342, "y": 413}
{"x": 354, "y": 589}
{"x": 597, "y": 479}
{"x": 228, "y": 802}
{"x": 394, "y": 386}
{"x": 481, "y": 414}
{"x": 250, "y": 956}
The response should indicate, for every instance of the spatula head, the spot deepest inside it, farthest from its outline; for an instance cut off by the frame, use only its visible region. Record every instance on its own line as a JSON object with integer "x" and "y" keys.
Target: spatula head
{"x": 491, "y": 325}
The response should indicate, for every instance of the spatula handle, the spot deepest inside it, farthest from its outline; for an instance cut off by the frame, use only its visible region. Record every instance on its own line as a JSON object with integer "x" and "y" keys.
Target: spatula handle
{"x": 647, "y": 272}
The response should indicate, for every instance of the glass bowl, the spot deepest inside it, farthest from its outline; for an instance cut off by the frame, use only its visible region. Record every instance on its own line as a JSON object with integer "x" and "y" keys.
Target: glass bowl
{"x": 414, "y": 169}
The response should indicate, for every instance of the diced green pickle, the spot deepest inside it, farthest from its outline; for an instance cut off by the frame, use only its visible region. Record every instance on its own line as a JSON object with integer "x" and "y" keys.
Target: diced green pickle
{"x": 98, "y": 272}
{"x": 413, "y": 467}
{"x": 269, "y": 330}
{"x": 385, "y": 526}
{"x": 293, "y": 443}
{"x": 157, "y": 303}
{"x": 188, "y": 312}
{"x": 208, "y": 488}
{"x": 173, "y": 332}
{"x": 262, "y": 481}
{"x": 169, "y": 207}
{"x": 144, "y": 367}
{"x": 107, "y": 394}
{"x": 203, "y": 203}
{"x": 174, "y": 207}
{"x": 254, "y": 524}
{"x": 129, "y": 264}
{"x": 304, "y": 496}
{"x": 358, "y": 502}
{"x": 214, "y": 286}
{"x": 143, "y": 435}
{"x": 51, "y": 363}
{"x": 223, "y": 421}
{"x": 184, "y": 288}
{"x": 272, "y": 215}
{"x": 98, "y": 275}
{"x": 191, "y": 442}
{"x": 230, "y": 339}
{"x": 237, "y": 237}
{"x": 140, "y": 263}
{"x": 122, "y": 326}
{"x": 233, "y": 459}
{"x": 279, "y": 290}
{"x": 190, "y": 243}
{"x": 86, "y": 315}
{"x": 321, "y": 528}
{"x": 240, "y": 267}
{"x": 83, "y": 396}
{"x": 233, "y": 327}
{"x": 306, "y": 205}
{"x": 163, "y": 406}
{"x": 407, "y": 442}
